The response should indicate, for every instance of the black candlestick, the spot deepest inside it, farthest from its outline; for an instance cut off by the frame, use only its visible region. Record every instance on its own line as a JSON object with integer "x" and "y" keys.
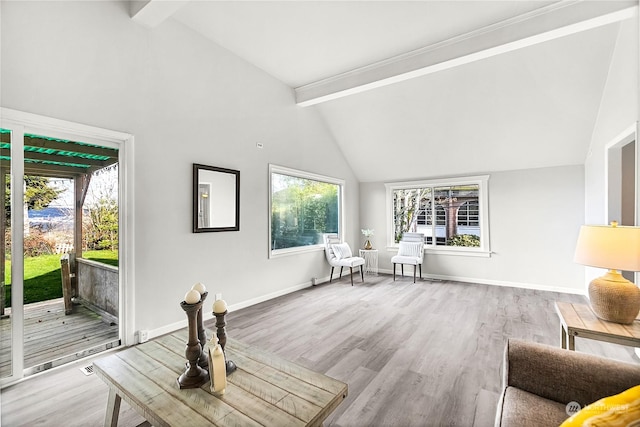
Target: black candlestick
{"x": 203, "y": 361}
{"x": 222, "y": 339}
{"x": 194, "y": 376}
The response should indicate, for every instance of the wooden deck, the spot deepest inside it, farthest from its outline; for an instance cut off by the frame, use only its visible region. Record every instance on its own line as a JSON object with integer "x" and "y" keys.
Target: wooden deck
{"x": 53, "y": 338}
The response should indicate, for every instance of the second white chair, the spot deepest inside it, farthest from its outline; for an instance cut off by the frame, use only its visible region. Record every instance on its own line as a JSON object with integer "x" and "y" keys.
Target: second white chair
{"x": 411, "y": 252}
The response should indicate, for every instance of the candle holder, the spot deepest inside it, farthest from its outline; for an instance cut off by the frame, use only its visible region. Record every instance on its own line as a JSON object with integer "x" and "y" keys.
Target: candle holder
{"x": 222, "y": 339}
{"x": 194, "y": 376}
{"x": 203, "y": 361}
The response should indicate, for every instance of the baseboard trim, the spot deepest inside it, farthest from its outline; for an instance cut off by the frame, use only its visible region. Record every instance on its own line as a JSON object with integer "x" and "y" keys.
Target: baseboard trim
{"x": 208, "y": 314}
{"x": 535, "y": 286}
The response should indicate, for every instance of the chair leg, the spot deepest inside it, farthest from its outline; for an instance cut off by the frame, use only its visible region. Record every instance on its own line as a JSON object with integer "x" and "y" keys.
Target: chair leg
{"x": 415, "y": 267}
{"x": 362, "y": 273}
{"x": 394, "y": 271}
{"x": 402, "y": 269}
{"x": 341, "y": 272}
{"x": 420, "y": 267}
{"x": 351, "y": 269}
{"x": 331, "y": 275}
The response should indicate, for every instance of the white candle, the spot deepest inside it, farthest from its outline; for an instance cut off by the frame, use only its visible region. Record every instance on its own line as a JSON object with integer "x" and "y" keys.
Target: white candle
{"x": 219, "y": 306}
{"x": 200, "y": 288}
{"x": 192, "y": 297}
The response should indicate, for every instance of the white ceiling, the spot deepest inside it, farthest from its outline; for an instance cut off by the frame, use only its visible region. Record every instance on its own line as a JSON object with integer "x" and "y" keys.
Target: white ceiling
{"x": 532, "y": 107}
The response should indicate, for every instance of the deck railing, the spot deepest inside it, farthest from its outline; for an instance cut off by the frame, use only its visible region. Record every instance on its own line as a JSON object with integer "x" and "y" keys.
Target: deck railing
{"x": 98, "y": 287}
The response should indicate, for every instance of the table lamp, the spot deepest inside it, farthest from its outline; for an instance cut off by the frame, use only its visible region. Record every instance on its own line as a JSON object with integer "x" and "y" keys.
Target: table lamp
{"x": 616, "y": 248}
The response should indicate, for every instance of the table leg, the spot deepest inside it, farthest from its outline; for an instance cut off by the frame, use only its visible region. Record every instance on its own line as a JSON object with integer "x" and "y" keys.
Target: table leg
{"x": 563, "y": 337}
{"x": 113, "y": 409}
{"x": 572, "y": 342}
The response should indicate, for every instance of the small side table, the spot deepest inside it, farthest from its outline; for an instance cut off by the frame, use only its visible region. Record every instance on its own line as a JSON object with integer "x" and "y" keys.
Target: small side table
{"x": 578, "y": 320}
{"x": 370, "y": 261}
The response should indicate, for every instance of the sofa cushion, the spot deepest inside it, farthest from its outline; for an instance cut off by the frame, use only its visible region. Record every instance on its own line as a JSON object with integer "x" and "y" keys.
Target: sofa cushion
{"x": 523, "y": 409}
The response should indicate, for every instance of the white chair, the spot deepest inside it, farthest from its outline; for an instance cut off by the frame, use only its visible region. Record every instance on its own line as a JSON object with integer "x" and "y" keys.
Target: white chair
{"x": 339, "y": 255}
{"x": 411, "y": 252}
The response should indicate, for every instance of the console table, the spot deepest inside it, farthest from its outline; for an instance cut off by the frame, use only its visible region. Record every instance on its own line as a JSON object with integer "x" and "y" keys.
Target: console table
{"x": 370, "y": 261}
{"x": 578, "y": 320}
{"x": 265, "y": 390}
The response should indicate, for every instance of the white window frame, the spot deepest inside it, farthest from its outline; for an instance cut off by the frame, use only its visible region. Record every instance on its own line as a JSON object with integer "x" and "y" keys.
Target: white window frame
{"x": 20, "y": 123}
{"x": 312, "y": 176}
{"x": 482, "y": 181}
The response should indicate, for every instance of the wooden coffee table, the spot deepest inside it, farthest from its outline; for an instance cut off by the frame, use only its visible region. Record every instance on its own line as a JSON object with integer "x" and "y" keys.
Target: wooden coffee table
{"x": 265, "y": 390}
{"x": 578, "y": 320}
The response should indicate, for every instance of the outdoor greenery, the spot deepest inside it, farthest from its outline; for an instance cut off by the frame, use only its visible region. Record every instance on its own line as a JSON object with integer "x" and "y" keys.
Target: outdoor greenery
{"x": 42, "y": 280}
{"x": 464, "y": 240}
{"x": 100, "y": 219}
{"x": 301, "y": 210}
{"x": 101, "y": 229}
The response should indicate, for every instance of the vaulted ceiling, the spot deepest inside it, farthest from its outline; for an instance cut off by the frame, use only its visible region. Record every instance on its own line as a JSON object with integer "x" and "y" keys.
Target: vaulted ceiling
{"x": 420, "y": 89}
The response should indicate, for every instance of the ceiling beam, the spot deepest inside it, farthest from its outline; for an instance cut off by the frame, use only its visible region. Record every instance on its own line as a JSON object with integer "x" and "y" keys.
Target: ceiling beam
{"x": 544, "y": 24}
{"x": 151, "y": 13}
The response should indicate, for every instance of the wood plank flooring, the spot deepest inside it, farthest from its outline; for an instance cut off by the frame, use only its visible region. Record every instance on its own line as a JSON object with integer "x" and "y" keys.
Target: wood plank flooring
{"x": 53, "y": 338}
{"x": 424, "y": 354}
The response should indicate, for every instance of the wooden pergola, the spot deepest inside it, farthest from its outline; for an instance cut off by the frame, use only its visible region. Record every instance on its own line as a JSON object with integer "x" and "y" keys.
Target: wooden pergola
{"x": 54, "y": 158}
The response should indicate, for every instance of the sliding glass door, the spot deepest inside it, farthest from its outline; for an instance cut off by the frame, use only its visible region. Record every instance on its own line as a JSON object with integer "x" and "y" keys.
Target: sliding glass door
{"x": 61, "y": 233}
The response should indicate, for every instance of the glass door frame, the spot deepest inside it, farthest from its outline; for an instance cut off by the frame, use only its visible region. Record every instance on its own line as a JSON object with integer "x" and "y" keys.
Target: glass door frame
{"x": 19, "y": 123}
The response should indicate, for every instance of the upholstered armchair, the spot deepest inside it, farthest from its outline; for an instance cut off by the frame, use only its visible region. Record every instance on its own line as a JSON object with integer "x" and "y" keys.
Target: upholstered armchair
{"x": 339, "y": 255}
{"x": 540, "y": 381}
{"x": 411, "y": 252}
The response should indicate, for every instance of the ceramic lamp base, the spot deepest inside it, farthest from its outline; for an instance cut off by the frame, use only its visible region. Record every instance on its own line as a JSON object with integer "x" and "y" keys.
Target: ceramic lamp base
{"x": 614, "y": 298}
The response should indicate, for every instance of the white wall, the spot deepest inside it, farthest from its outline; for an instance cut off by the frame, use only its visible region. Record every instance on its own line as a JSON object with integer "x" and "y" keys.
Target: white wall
{"x": 618, "y": 112}
{"x": 185, "y": 100}
{"x": 534, "y": 215}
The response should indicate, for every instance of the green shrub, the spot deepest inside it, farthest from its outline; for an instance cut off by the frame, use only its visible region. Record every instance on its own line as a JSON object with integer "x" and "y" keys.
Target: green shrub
{"x": 464, "y": 240}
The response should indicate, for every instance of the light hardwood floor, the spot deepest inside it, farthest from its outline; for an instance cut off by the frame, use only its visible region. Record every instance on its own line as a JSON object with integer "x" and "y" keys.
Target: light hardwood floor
{"x": 419, "y": 354}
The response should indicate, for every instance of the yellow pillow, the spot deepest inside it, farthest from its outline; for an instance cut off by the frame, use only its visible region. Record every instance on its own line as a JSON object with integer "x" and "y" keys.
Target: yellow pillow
{"x": 620, "y": 410}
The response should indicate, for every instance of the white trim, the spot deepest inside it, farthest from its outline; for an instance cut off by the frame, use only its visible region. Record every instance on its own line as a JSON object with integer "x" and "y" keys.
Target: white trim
{"x": 483, "y": 201}
{"x": 17, "y": 247}
{"x": 295, "y": 251}
{"x": 504, "y": 283}
{"x": 341, "y": 183}
{"x": 615, "y": 145}
{"x": 41, "y": 125}
{"x": 127, "y": 245}
{"x": 449, "y": 250}
{"x": 550, "y": 22}
{"x": 253, "y": 301}
{"x": 208, "y": 315}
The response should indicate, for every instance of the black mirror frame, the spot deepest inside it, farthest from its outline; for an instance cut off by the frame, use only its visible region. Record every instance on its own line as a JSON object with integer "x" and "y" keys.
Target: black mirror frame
{"x": 196, "y": 169}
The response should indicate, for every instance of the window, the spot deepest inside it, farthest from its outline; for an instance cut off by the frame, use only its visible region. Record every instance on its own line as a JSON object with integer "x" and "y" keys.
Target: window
{"x": 468, "y": 214}
{"x": 303, "y": 206}
{"x": 459, "y": 206}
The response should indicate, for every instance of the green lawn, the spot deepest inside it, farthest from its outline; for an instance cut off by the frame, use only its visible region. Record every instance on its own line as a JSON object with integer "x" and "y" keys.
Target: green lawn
{"x": 42, "y": 280}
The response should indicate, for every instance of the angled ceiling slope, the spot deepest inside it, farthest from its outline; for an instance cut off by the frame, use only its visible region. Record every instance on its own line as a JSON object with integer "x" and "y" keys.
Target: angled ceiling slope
{"x": 460, "y": 86}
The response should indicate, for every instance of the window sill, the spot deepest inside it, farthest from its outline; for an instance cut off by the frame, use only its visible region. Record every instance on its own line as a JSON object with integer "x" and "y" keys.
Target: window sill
{"x": 295, "y": 251}
{"x": 450, "y": 251}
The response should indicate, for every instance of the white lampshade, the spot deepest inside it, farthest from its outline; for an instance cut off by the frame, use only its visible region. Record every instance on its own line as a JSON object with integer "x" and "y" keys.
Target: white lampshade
{"x": 611, "y": 247}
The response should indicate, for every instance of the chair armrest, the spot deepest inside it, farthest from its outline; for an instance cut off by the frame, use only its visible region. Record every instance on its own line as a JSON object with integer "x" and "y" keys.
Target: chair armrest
{"x": 565, "y": 376}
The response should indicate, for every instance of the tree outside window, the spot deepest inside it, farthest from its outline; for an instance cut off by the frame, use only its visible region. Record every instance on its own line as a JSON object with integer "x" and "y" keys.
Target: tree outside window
{"x": 456, "y": 210}
{"x": 302, "y": 209}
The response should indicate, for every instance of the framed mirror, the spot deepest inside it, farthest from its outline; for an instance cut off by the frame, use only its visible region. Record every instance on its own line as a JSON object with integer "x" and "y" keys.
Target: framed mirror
{"x": 216, "y": 199}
